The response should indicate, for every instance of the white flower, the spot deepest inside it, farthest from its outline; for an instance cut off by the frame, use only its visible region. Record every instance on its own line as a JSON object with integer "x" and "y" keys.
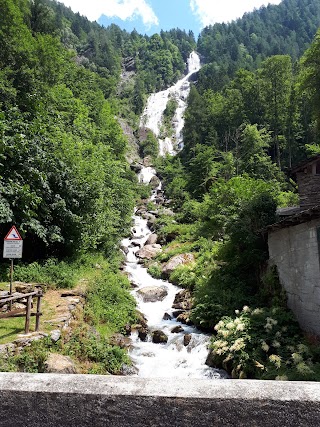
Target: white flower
{"x": 246, "y": 309}
{"x": 240, "y": 327}
{"x": 264, "y": 346}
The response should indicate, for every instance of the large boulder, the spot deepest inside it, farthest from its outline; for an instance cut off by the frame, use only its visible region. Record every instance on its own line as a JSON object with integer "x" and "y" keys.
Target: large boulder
{"x": 152, "y": 239}
{"x": 59, "y": 364}
{"x": 159, "y": 337}
{"x": 149, "y": 251}
{"x": 153, "y": 293}
{"x": 174, "y": 262}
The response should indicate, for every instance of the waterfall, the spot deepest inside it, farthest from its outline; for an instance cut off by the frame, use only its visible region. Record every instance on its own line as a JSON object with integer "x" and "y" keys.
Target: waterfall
{"x": 185, "y": 352}
{"x": 157, "y": 102}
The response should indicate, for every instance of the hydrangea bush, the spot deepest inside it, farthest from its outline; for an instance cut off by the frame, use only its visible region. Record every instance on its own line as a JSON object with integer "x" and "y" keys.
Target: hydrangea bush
{"x": 262, "y": 343}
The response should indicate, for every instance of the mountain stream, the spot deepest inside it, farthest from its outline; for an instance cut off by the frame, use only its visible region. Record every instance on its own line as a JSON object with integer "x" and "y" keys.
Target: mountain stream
{"x": 185, "y": 352}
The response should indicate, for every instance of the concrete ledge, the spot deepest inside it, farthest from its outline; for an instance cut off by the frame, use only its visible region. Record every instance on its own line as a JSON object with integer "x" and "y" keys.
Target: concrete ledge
{"x": 51, "y": 400}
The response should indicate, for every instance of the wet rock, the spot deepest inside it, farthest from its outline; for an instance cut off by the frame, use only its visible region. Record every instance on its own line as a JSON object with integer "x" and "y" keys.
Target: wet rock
{"x": 136, "y": 167}
{"x": 183, "y": 300}
{"x": 184, "y": 318}
{"x": 177, "y": 329}
{"x": 142, "y": 319}
{"x": 127, "y": 329}
{"x": 210, "y": 359}
{"x": 166, "y": 316}
{"x": 149, "y": 251}
{"x": 177, "y": 313}
{"x": 124, "y": 249}
{"x": 152, "y": 239}
{"x": 143, "y": 334}
{"x": 153, "y": 293}
{"x": 135, "y": 243}
{"x": 174, "y": 262}
{"x": 159, "y": 337}
{"x": 167, "y": 211}
{"x": 186, "y": 339}
{"x": 59, "y": 364}
{"x": 55, "y": 335}
{"x": 4, "y": 294}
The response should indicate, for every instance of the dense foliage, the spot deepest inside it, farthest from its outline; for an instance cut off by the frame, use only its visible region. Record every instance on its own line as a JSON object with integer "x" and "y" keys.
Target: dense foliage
{"x": 287, "y": 28}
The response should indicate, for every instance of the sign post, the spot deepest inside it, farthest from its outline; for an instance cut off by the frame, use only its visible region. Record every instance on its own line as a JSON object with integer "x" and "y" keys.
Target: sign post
{"x": 12, "y": 249}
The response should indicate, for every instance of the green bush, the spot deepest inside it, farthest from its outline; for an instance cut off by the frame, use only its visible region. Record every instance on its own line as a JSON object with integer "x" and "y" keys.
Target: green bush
{"x": 264, "y": 343}
{"x": 155, "y": 271}
{"x": 110, "y": 306}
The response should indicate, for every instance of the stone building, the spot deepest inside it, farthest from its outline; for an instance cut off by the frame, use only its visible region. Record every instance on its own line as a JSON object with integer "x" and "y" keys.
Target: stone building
{"x": 294, "y": 247}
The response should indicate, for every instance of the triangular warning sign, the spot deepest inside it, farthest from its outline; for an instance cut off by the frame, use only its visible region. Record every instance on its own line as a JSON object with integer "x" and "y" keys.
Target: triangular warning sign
{"x": 13, "y": 234}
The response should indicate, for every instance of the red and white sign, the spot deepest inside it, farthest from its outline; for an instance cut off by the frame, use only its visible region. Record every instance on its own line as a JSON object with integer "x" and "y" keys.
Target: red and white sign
{"x": 13, "y": 234}
{"x": 12, "y": 247}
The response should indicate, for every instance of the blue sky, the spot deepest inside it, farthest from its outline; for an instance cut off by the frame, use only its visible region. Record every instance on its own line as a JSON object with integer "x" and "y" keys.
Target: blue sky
{"x": 150, "y": 16}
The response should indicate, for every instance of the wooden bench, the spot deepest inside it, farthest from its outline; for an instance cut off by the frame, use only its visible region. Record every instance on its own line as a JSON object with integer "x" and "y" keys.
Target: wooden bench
{"x": 21, "y": 312}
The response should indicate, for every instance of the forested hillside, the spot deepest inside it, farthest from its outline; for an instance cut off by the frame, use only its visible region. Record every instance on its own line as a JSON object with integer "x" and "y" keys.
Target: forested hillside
{"x": 64, "y": 179}
{"x": 287, "y": 28}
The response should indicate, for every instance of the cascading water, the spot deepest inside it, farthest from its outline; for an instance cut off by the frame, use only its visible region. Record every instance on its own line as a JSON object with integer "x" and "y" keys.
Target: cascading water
{"x": 157, "y": 102}
{"x": 177, "y": 357}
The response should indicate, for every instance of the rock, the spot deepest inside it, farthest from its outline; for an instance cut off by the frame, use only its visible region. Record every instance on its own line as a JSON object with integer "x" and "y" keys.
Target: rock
{"x": 147, "y": 161}
{"x": 153, "y": 293}
{"x": 4, "y": 294}
{"x": 177, "y": 329}
{"x": 174, "y": 262}
{"x": 177, "y": 313}
{"x": 143, "y": 334}
{"x": 167, "y": 211}
{"x": 59, "y": 364}
{"x": 142, "y": 319}
{"x": 154, "y": 182}
{"x": 149, "y": 251}
{"x": 135, "y": 243}
{"x": 183, "y": 300}
{"x": 210, "y": 359}
{"x": 120, "y": 340}
{"x": 136, "y": 167}
{"x": 24, "y": 288}
{"x": 128, "y": 370}
{"x": 127, "y": 329}
{"x": 124, "y": 249}
{"x": 72, "y": 293}
{"x": 186, "y": 339}
{"x": 184, "y": 318}
{"x": 166, "y": 316}
{"x": 159, "y": 337}
{"x": 152, "y": 239}
{"x": 55, "y": 335}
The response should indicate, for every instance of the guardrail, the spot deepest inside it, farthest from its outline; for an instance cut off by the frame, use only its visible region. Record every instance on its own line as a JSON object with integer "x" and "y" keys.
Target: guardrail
{"x": 52, "y": 400}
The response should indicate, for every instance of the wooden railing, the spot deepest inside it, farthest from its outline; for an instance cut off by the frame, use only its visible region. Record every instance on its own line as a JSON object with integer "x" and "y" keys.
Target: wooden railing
{"x": 25, "y": 299}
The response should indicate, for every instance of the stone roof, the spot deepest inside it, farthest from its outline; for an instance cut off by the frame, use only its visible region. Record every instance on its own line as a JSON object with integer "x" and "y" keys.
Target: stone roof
{"x": 301, "y": 216}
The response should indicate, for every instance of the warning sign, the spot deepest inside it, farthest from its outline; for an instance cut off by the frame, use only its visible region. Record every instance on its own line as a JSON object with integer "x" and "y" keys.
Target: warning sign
{"x": 13, "y": 234}
{"x": 13, "y": 243}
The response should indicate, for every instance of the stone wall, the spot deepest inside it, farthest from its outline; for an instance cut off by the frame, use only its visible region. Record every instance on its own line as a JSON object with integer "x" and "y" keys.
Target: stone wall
{"x": 295, "y": 252}
{"x": 309, "y": 189}
{"x": 51, "y": 400}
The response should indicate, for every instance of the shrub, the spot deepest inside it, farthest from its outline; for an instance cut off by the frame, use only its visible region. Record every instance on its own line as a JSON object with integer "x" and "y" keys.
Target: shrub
{"x": 263, "y": 343}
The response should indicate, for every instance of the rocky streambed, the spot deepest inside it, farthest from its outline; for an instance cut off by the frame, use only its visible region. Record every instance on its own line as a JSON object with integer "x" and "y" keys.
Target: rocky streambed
{"x": 164, "y": 343}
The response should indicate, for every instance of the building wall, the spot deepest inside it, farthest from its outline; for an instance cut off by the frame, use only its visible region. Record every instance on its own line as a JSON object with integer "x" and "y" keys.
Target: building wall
{"x": 50, "y": 400}
{"x": 295, "y": 252}
{"x": 308, "y": 188}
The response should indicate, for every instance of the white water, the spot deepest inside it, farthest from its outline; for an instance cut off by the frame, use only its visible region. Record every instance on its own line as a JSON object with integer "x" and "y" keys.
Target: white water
{"x": 172, "y": 359}
{"x": 157, "y": 102}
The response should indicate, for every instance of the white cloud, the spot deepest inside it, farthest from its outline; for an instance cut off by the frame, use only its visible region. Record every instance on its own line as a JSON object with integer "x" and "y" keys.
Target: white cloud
{"x": 124, "y": 9}
{"x": 211, "y": 11}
